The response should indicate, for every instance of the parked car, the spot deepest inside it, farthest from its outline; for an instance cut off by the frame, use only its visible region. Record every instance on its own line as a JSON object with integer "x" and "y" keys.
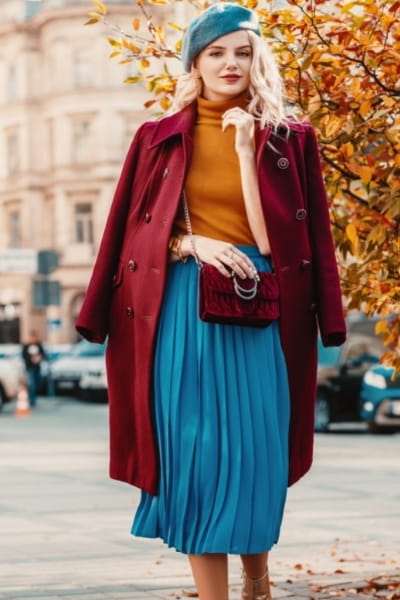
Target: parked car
{"x": 380, "y": 399}
{"x": 339, "y": 376}
{"x": 53, "y": 352}
{"x": 67, "y": 371}
{"x": 12, "y": 376}
{"x": 93, "y": 383}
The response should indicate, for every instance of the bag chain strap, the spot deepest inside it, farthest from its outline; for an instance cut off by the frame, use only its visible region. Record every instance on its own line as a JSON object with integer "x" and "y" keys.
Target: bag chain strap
{"x": 242, "y": 292}
{"x": 189, "y": 229}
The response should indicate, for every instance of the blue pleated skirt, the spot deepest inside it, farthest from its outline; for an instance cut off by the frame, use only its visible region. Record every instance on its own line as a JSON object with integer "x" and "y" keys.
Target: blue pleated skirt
{"x": 221, "y": 411}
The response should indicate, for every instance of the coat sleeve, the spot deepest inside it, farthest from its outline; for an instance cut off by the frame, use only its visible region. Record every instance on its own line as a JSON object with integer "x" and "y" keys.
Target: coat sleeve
{"x": 328, "y": 294}
{"x": 92, "y": 321}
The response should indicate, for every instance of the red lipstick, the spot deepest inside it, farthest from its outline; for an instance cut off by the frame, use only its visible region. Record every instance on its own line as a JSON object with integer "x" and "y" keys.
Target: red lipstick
{"x": 231, "y": 78}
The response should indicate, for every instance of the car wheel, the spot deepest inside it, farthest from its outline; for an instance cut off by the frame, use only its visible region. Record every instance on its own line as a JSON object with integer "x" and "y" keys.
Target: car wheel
{"x": 322, "y": 412}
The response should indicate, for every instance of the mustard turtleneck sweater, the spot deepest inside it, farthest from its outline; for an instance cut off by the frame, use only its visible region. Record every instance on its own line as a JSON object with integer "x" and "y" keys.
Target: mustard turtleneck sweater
{"x": 213, "y": 185}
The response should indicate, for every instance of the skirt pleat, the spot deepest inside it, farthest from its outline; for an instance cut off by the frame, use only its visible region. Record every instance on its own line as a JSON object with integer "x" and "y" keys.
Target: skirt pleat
{"x": 221, "y": 413}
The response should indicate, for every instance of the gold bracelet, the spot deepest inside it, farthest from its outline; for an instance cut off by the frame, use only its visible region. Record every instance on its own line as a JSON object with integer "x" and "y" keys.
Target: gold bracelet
{"x": 175, "y": 246}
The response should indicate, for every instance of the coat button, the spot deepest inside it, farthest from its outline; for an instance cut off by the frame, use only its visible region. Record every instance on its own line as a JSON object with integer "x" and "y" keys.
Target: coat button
{"x": 165, "y": 173}
{"x": 132, "y": 265}
{"x": 147, "y": 217}
{"x": 129, "y": 312}
{"x": 312, "y": 308}
{"x": 305, "y": 264}
{"x": 283, "y": 163}
{"x": 301, "y": 214}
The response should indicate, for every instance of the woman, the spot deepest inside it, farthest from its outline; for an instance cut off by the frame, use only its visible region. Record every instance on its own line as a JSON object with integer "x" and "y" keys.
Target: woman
{"x": 213, "y": 421}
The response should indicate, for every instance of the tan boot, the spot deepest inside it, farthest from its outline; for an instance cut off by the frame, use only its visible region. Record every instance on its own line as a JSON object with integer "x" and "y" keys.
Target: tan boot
{"x": 256, "y": 589}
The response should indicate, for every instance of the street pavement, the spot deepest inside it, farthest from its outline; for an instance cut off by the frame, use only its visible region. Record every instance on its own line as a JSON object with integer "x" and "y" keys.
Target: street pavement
{"x": 65, "y": 526}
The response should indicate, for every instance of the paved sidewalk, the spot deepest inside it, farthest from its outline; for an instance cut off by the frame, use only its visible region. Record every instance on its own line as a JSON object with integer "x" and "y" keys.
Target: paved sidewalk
{"x": 64, "y": 526}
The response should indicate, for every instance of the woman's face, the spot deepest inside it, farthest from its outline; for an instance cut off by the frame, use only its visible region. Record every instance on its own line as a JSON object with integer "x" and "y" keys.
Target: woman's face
{"x": 224, "y": 66}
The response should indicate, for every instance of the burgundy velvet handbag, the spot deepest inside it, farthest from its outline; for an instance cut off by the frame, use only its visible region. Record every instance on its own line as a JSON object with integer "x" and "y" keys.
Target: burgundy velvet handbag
{"x": 247, "y": 302}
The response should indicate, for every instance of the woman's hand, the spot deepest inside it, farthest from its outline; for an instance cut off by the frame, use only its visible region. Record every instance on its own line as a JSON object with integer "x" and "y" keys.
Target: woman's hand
{"x": 244, "y": 125}
{"x": 222, "y": 255}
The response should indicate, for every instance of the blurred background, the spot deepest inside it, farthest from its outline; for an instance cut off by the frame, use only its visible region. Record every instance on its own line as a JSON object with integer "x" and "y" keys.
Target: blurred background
{"x": 66, "y": 120}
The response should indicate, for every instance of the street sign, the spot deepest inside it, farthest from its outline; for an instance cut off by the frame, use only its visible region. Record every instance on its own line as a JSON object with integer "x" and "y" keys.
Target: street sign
{"x": 46, "y": 293}
{"x": 19, "y": 260}
{"x": 47, "y": 261}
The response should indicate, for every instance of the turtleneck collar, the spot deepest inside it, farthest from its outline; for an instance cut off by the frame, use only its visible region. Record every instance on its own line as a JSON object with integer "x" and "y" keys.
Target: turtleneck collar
{"x": 213, "y": 110}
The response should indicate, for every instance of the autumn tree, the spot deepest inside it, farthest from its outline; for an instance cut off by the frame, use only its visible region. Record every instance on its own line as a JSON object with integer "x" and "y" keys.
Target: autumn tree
{"x": 341, "y": 65}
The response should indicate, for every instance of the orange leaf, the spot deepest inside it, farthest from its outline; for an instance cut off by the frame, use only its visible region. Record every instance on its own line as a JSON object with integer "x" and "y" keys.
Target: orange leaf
{"x": 365, "y": 108}
{"x": 165, "y": 103}
{"x": 366, "y": 174}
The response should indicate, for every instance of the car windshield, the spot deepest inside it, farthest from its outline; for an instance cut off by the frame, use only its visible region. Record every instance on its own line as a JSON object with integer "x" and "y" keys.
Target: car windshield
{"x": 328, "y": 356}
{"x": 87, "y": 349}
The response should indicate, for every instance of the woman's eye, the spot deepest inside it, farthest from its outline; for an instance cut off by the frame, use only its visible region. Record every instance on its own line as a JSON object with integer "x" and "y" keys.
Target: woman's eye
{"x": 216, "y": 53}
{"x": 244, "y": 53}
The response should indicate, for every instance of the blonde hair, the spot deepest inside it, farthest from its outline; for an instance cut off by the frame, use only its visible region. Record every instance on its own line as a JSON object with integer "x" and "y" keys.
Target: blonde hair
{"x": 266, "y": 89}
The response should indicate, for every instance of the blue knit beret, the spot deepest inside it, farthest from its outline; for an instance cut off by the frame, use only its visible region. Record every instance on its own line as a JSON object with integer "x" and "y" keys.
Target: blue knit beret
{"x": 218, "y": 20}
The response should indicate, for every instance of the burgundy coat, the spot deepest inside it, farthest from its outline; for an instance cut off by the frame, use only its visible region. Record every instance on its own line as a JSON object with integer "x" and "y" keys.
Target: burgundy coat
{"x": 125, "y": 292}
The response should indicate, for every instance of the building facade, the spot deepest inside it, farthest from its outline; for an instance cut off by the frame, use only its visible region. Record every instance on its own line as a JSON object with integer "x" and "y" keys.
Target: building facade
{"x": 66, "y": 120}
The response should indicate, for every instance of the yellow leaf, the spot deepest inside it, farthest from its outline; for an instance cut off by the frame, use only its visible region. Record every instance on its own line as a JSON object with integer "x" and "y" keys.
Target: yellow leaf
{"x": 160, "y": 33}
{"x": 178, "y": 46}
{"x": 136, "y": 24}
{"x": 388, "y": 101}
{"x": 114, "y": 42}
{"x": 92, "y": 21}
{"x": 175, "y": 26}
{"x": 133, "y": 79}
{"x": 114, "y": 54}
{"x": 159, "y": 2}
{"x": 333, "y": 127}
{"x": 351, "y": 233}
{"x": 335, "y": 49}
{"x": 130, "y": 46}
{"x": 100, "y": 6}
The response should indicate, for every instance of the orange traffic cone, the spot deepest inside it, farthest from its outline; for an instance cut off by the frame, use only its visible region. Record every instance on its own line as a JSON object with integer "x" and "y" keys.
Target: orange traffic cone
{"x": 22, "y": 409}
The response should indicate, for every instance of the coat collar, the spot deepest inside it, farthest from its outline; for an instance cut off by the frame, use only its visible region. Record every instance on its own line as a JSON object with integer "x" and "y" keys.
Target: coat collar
{"x": 180, "y": 123}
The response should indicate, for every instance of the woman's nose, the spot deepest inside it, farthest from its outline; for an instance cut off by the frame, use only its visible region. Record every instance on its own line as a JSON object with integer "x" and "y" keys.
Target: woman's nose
{"x": 231, "y": 62}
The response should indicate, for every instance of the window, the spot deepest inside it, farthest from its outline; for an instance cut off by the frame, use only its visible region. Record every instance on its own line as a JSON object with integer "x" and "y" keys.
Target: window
{"x": 82, "y": 137}
{"x": 13, "y": 165}
{"x": 14, "y": 228}
{"x": 82, "y": 68}
{"x": 83, "y": 219}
